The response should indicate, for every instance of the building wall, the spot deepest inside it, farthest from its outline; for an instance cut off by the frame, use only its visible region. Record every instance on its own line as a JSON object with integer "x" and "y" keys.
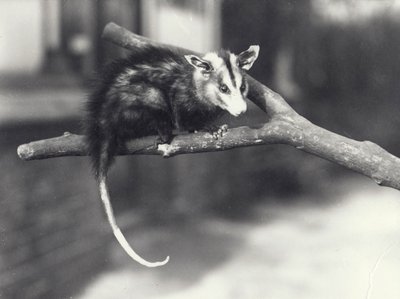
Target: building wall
{"x": 21, "y": 38}
{"x": 53, "y": 234}
{"x": 190, "y": 24}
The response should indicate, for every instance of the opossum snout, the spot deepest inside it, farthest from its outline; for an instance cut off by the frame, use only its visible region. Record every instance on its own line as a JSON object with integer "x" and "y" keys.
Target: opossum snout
{"x": 237, "y": 107}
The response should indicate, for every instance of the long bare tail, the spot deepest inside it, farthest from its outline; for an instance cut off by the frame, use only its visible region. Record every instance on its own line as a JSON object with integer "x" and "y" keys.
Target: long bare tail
{"x": 105, "y": 197}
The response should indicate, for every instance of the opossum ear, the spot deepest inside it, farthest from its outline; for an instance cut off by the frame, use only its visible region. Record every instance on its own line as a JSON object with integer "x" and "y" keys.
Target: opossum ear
{"x": 199, "y": 63}
{"x": 247, "y": 58}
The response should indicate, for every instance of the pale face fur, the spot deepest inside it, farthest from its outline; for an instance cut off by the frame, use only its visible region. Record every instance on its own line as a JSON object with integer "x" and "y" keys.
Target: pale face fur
{"x": 221, "y": 79}
{"x": 232, "y": 100}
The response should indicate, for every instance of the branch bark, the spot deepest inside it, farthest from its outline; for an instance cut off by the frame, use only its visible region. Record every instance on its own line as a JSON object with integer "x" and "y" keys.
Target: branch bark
{"x": 285, "y": 126}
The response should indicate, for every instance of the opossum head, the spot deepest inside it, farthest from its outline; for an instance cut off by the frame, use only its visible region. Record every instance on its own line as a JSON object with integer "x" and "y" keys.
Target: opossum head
{"x": 220, "y": 78}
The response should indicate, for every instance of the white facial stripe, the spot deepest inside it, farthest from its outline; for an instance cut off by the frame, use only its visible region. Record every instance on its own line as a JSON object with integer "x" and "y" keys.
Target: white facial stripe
{"x": 226, "y": 78}
{"x": 219, "y": 65}
{"x": 214, "y": 59}
{"x": 232, "y": 102}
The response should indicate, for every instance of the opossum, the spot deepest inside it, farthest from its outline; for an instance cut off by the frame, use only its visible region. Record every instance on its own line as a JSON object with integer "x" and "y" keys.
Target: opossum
{"x": 153, "y": 92}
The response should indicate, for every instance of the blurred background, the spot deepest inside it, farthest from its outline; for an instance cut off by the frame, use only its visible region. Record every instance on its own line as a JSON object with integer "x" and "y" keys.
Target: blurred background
{"x": 259, "y": 222}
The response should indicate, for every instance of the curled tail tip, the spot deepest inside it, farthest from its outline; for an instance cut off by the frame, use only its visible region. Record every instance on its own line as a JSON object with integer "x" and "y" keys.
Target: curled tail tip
{"x": 156, "y": 264}
{"x": 117, "y": 232}
{"x": 144, "y": 262}
{"x": 136, "y": 257}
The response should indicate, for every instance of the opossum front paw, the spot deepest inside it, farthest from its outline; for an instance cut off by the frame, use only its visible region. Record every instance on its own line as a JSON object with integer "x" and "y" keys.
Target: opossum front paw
{"x": 217, "y": 132}
{"x": 162, "y": 140}
{"x": 164, "y": 137}
{"x": 224, "y": 128}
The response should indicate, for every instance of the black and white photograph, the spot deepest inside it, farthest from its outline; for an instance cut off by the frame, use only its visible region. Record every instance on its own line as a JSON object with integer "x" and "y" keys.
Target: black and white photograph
{"x": 173, "y": 149}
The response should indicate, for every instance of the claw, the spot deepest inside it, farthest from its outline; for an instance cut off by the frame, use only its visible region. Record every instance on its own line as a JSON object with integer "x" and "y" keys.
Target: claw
{"x": 217, "y": 132}
{"x": 164, "y": 136}
{"x": 162, "y": 140}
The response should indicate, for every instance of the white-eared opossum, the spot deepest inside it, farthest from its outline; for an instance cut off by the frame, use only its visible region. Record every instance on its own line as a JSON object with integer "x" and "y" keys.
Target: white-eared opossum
{"x": 155, "y": 91}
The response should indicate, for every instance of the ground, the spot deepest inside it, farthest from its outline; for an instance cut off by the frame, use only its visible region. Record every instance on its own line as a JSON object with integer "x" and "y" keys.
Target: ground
{"x": 347, "y": 249}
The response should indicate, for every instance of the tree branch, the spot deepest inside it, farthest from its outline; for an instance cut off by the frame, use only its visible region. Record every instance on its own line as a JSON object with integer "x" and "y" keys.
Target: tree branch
{"x": 285, "y": 127}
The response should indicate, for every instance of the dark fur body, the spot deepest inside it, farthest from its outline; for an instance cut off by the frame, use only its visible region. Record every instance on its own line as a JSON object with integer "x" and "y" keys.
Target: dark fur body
{"x": 155, "y": 91}
{"x": 151, "y": 92}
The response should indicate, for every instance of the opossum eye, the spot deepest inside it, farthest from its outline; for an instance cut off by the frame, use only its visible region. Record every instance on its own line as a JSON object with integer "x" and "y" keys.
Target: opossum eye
{"x": 224, "y": 89}
{"x": 243, "y": 87}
